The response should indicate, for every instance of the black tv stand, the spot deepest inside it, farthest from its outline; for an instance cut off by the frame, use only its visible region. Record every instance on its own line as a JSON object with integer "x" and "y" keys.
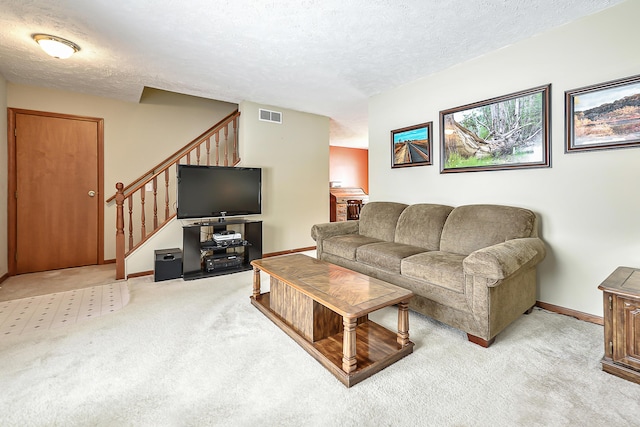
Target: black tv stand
{"x": 198, "y": 244}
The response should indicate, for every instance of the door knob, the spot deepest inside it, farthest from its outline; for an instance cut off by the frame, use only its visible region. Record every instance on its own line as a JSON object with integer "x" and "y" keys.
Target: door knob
{"x": 92, "y": 193}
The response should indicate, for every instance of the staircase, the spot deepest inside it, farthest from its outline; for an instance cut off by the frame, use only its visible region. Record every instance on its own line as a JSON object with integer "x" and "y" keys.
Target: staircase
{"x": 218, "y": 146}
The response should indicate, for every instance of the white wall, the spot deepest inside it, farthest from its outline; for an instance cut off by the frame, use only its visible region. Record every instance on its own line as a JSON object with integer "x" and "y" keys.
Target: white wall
{"x": 587, "y": 201}
{"x": 4, "y": 268}
{"x": 294, "y": 157}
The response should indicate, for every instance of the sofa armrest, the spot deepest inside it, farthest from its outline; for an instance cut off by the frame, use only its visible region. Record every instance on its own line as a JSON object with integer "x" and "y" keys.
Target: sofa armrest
{"x": 319, "y": 232}
{"x": 500, "y": 261}
{"x": 329, "y": 229}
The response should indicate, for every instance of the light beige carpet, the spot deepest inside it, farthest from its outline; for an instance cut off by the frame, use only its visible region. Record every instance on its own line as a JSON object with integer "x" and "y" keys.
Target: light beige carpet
{"x": 199, "y": 354}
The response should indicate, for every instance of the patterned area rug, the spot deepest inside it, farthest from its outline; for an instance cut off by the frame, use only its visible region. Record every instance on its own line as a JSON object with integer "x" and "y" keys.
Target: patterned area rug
{"x": 61, "y": 308}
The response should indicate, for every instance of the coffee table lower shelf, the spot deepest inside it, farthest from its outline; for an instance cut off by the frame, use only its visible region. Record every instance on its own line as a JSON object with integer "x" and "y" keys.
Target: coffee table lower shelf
{"x": 376, "y": 346}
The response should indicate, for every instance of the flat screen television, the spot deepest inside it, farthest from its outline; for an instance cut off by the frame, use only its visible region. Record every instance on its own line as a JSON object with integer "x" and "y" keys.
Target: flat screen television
{"x": 218, "y": 191}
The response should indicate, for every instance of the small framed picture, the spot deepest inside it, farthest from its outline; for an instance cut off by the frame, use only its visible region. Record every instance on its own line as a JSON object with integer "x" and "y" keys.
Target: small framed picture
{"x": 507, "y": 132}
{"x": 603, "y": 116}
{"x": 412, "y": 146}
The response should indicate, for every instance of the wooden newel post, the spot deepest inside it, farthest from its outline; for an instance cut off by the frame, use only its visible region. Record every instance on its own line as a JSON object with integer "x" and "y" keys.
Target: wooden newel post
{"x": 119, "y": 231}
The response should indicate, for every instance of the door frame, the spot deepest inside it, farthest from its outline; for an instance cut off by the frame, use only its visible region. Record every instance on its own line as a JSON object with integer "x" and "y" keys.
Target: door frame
{"x": 12, "y": 205}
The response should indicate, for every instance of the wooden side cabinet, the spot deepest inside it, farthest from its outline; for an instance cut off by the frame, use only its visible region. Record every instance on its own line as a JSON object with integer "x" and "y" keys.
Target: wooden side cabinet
{"x": 621, "y": 298}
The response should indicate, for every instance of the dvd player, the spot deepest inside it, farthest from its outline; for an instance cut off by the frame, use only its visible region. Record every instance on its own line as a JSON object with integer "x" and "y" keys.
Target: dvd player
{"x": 220, "y": 261}
{"x": 226, "y": 235}
{"x": 227, "y": 238}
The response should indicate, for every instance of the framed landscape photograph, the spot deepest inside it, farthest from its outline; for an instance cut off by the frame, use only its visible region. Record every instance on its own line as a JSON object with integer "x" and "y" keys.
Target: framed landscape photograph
{"x": 507, "y": 132}
{"x": 412, "y": 146}
{"x": 603, "y": 116}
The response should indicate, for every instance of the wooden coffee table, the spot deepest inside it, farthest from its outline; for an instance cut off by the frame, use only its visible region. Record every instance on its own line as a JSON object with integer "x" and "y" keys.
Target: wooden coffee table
{"x": 325, "y": 307}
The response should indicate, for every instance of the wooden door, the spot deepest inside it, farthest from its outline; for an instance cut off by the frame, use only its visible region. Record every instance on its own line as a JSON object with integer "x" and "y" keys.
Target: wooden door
{"x": 627, "y": 341}
{"x": 58, "y": 185}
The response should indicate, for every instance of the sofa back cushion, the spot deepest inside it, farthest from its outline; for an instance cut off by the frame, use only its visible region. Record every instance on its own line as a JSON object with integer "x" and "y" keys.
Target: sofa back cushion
{"x": 421, "y": 225}
{"x": 472, "y": 227}
{"x": 379, "y": 219}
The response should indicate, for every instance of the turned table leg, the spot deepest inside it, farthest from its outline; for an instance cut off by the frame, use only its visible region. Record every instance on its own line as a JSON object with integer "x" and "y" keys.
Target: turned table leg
{"x": 349, "y": 345}
{"x": 403, "y": 323}
{"x": 256, "y": 283}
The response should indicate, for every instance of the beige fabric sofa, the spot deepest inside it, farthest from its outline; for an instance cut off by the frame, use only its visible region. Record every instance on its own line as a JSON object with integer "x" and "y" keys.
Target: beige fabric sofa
{"x": 472, "y": 267}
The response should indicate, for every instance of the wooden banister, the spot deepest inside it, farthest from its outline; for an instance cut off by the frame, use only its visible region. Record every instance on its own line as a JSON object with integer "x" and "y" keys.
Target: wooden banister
{"x": 204, "y": 137}
{"x": 135, "y": 195}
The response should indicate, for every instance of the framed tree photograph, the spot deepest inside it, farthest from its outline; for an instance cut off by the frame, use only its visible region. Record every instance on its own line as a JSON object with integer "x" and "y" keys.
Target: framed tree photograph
{"x": 603, "y": 116}
{"x": 412, "y": 146}
{"x": 507, "y": 132}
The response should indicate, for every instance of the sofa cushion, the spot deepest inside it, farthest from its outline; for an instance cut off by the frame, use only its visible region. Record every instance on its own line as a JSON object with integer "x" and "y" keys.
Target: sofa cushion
{"x": 379, "y": 219}
{"x": 443, "y": 269}
{"x": 345, "y": 246}
{"x": 421, "y": 225}
{"x": 386, "y": 255}
{"x": 472, "y": 227}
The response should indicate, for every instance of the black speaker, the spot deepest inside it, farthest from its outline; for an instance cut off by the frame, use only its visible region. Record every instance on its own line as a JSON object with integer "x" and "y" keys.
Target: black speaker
{"x": 168, "y": 264}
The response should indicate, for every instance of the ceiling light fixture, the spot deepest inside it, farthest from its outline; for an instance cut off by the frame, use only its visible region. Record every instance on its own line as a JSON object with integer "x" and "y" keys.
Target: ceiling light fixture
{"x": 56, "y": 46}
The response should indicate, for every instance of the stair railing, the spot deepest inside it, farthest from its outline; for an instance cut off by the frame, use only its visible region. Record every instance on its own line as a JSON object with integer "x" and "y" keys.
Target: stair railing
{"x": 224, "y": 152}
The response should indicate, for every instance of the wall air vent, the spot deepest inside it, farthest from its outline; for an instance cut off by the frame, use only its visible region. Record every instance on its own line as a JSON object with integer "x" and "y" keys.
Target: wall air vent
{"x": 270, "y": 116}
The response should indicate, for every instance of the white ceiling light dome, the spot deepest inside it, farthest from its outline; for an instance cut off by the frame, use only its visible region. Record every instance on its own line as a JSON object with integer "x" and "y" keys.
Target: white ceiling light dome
{"x": 56, "y": 46}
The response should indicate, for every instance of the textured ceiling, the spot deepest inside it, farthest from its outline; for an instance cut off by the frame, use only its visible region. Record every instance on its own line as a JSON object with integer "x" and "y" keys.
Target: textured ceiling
{"x": 319, "y": 56}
